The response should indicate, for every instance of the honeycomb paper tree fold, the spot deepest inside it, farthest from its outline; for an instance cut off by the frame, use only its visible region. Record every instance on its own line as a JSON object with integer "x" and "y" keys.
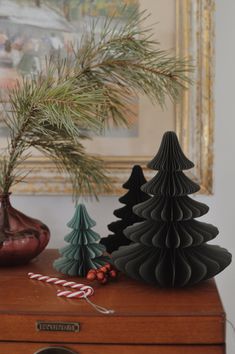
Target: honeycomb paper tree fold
{"x": 83, "y": 252}
{"x": 131, "y": 198}
{"x": 169, "y": 248}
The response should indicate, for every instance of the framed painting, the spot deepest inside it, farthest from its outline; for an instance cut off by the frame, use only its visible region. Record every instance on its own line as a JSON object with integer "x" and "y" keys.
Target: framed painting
{"x": 31, "y": 29}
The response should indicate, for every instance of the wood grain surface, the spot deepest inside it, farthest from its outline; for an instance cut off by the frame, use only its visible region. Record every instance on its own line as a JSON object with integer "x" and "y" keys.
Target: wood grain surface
{"x": 19, "y": 294}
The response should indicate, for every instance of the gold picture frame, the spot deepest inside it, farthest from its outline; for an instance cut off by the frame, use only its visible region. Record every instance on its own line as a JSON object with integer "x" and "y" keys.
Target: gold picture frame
{"x": 195, "y": 112}
{"x": 194, "y": 122}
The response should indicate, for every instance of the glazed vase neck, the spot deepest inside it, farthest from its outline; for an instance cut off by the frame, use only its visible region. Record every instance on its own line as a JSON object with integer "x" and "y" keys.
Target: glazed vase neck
{"x": 5, "y": 200}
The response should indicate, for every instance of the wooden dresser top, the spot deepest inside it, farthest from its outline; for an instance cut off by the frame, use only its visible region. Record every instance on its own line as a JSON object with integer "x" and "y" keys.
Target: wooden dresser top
{"x": 19, "y": 294}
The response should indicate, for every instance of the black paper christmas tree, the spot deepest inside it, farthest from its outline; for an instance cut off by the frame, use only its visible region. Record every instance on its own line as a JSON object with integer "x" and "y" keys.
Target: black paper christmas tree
{"x": 170, "y": 248}
{"x": 83, "y": 252}
{"x": 131, "y": 198}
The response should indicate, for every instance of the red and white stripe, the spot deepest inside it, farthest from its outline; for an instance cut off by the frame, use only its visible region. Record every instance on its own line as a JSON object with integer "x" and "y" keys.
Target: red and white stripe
{"x": 62, "y": 282}
{"x": 74, "y": 294}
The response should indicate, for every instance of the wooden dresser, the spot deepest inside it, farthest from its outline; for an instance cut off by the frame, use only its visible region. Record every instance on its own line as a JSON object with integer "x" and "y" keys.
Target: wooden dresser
{"x": 147, "y": 320}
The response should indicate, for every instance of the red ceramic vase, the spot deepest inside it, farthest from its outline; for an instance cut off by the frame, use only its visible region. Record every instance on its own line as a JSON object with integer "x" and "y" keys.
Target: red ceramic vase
{"x": 21, "y": 237}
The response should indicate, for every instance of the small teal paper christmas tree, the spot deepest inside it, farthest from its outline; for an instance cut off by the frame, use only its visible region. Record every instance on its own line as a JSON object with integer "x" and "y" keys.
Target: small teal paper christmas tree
{"x": 83, "y": 252}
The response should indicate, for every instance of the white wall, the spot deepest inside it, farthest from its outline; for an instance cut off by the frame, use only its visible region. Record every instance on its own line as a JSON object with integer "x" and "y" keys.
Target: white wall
{"x": 56, "y": 211}
{"x": 223, "y": 202}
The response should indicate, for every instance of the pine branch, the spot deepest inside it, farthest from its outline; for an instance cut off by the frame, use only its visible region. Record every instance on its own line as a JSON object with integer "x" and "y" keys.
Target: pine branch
{"x": 55, "y": 110}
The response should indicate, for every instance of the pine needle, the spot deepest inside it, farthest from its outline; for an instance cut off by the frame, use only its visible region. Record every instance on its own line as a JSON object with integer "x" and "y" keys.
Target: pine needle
{"x": 55, "y": 110}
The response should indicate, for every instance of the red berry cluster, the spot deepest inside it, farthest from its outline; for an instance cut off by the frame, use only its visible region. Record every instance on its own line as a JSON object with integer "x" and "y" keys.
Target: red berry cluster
{"x": 102, "y": 274}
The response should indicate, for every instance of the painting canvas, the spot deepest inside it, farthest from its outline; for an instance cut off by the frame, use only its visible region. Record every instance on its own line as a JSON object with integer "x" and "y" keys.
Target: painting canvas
{"x": 30, "y": 30}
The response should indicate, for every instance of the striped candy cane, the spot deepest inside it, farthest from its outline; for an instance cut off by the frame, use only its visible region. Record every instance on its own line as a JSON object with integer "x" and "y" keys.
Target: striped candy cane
{"x": 57, "y": 281}
{"x": 72, "y": 294}
{"x": 82, "y": 291}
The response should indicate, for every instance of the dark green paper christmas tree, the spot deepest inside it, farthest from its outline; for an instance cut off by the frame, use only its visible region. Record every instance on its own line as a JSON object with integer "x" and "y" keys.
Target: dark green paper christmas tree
{"x": 131, "y": 198}
{"x": 83, "y": 252}
{"x": 169, "y": 248}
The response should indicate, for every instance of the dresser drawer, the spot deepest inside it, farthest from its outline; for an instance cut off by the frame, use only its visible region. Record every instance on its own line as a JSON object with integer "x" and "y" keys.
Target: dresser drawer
{"x": 33, "y": 348}
{"x": 116, "y": 330}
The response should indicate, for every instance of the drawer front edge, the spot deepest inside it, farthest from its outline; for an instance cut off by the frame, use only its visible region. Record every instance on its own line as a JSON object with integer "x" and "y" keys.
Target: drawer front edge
{"x": 117, "y": 329}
